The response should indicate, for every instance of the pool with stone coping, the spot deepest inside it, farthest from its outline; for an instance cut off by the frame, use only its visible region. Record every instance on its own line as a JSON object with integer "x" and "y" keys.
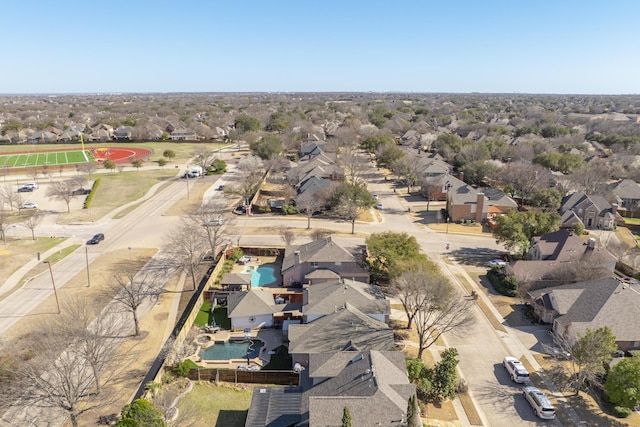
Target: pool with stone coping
{"x": 261, "y": 276}
{"x": 239, "y": 349}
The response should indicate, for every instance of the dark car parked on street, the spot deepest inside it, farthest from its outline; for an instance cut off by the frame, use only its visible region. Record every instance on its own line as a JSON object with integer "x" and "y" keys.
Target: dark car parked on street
{"x": 96, "y": 239}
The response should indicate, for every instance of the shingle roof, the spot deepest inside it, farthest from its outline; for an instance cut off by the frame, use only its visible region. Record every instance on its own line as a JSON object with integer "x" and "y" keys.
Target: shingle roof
{"x": 626, "y": 189}
{"x": 274, "y": 406}
{"x": 597, "y": 303}
{"x": 334, "y": 331}
{"x": 323, "y": 298}
{"x": 373, "y": 384}
{"x": 254, "y": 302}
{"x": 236, "y": 279}
{"x": 322, "y": 250}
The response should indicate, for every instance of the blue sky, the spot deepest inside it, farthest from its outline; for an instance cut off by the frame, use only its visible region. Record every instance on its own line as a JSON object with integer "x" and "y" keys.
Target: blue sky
{"x": 527, "y": 46}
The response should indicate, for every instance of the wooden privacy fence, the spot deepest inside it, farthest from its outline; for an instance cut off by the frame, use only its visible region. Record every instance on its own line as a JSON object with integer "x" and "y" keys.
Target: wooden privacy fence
{"x": 235, "y": 376}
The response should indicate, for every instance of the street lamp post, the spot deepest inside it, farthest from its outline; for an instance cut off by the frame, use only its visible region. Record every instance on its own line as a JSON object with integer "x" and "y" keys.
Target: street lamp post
{"x": 447, "y": 225}
{"x": 86, "y": 257}
{"x": 55, "y": 291}
{"x": 129, "y": 248}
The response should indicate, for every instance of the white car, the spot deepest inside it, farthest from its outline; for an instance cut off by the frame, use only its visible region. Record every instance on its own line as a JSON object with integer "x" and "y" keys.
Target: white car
{"x": 516, "y": 370}
{"x": 29, "y": 205}
{"x": 379, "y": 206}
{"x": 497, "y": 263}
{"x": 539, "y": 402}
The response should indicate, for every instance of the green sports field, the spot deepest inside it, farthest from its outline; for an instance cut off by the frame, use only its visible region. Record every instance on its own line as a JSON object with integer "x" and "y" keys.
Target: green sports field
{"x": 53, "y": 158}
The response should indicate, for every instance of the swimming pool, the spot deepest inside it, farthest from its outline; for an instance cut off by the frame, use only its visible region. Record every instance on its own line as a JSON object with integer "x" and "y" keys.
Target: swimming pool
{"x": 264, "y": 275}
{"x": 232, "y": 350}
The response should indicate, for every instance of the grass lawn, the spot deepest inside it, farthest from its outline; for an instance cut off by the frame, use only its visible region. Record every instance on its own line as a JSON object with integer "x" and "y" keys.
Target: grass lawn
{"x": 117, "y": 189}
{"x": 203, "y": 317}
{"x": 210, "y": 404}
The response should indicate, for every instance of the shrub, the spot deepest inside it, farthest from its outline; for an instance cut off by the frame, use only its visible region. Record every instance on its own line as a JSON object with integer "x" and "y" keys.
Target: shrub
{"x": 462, "y": 386}
{"x": 289, "y": 209}
{"x": 503, "y": 283}
{"x": 184, "y": 367}
{"x": 621, "y": 411}
{"x": 87, "y": 201}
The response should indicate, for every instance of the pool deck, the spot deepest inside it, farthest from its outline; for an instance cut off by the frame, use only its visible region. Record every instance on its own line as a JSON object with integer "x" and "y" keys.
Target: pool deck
{"x": 272, "y": 339}
{"x": 258, "y": 261}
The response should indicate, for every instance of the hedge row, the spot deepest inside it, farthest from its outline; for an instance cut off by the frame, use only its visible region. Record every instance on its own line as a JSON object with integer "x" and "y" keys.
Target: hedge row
{"x": 87, "y": 201}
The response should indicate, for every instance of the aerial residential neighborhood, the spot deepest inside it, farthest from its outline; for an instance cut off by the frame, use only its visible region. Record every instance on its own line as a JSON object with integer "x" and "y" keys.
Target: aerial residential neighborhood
{"x": 273, "y": 286}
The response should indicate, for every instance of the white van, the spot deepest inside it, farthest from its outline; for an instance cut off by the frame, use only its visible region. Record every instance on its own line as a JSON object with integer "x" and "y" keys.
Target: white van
{"x": 539, "y": 402}
{"x": 30, "y": 185}
{"x": 516, "y": 370}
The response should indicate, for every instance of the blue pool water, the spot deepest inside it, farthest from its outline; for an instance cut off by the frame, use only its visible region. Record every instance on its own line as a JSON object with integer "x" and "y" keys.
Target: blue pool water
{"x": 262, "y": 276}
{"x": 232, "y": 350}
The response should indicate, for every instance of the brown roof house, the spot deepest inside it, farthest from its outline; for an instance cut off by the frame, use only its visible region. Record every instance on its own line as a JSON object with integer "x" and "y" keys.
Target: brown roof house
{"x": 320, "y": 261}
{"x": 555, "y": 250}
{"x": 594, "y": 304}
{"x": 593, "y": 212}
{"x": 374, "y": 385}
{"x": 467, "y": 203}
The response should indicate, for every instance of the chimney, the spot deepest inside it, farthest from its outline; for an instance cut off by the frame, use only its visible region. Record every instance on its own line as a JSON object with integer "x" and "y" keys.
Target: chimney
{"x": 480, "y": 199}
{"x": 296, "y": 257}
{"x": 614, "y": 209}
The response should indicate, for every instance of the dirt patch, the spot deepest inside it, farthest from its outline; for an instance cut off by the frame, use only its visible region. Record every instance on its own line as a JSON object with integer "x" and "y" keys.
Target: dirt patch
{"x": 470, "y": 409}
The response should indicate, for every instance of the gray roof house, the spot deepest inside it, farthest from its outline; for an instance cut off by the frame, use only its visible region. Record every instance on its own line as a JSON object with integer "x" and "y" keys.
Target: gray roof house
{"x": 626, "y": 193}
{"x": 592, "y": 211}
{"x": 343, "y": 329}
{"x": 322, "y": 254}
{"x": 373, "y": 384}
{"x": 258, "y": 307}
{"x": 554, "y": 250}
{"x": 597, "y": 303}
{"x": 324, "y": 298}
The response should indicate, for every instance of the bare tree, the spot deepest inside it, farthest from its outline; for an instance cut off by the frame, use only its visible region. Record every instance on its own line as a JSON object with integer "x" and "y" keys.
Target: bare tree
{"x": 4, "y": 222}
{"x": 591, "y": 178}
{"x": 9, "y": 196}
{"x": 250, "y": 174}
{"x": 64, "y": 190}
{"x": 524, "y": 178}
{"x": 132, "y": 290}
{"x": 287, "y": 235}
{"x": 32, "y": 221}
{"x": 319, "y": 233}
{"x": 316, "y": 202}
{"x": 70, "y": 356}
{"x": 88, "y": 168}
{"x": 353, "y": 163}
{"x": 580, "y": 269}
{"x": 432, "y": 303}
{"x": 186, "y": 246}
{"x": 202, "y": 157}
{"x": 215, "y": 220}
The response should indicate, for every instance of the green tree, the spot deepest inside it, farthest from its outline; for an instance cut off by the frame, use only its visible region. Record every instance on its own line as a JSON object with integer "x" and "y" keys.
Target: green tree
{"x": 267, "y": 147}
{"x": 589, "y": 355}
{"x": 373, "y": 143}
{"x": 623, "y": 382}
{"x": 388, "y": 155}
{"x": 12, "y": 126}
{"x": 109, "y": 164}
{"x": 444, "y": 376}
{"x": 246, "y": 123}
{"x": 169, "y": 154}
{"x": 548, "y": 199}
{"x": 421, "y": 376}
{"x": 162, "y": 162}
{"x": 137, "y": 163}
{"x": 346, "y": 417}
{"x": 390, "y": 253}
{"x": 476, "y": 172}
{"x": 141, "y": 413}
{"x": 277, "y": 122}
{"x": 219, "y": 166}
{"x": 515, "y": 229}
{"x": 349, "y": 200}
